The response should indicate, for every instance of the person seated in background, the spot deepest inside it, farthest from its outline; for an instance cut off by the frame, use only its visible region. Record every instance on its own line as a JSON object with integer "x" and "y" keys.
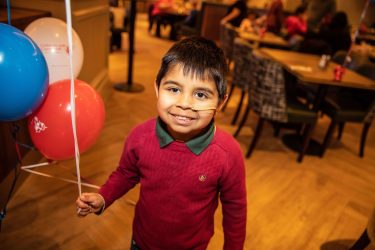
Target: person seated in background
{"x": 337, "y": 33}
{"x": 236, "y": 13}
{"x": 249, "y": 24}
{"x": 275, "y": 16}
{"x": 331, "y": 38}
{"x": 191, "y": 19}
{"x": 318, "y": 12}
{"x": 159, "y": 13}
{"x": 189, "y": 23}
{"x": 296, "y": 24}
{"x": 150, "y": 9}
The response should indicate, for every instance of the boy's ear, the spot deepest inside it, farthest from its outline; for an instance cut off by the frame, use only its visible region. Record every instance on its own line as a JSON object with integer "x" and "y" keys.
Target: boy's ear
{"x": 222, "y": 102}
{"x": 156, "y": 89}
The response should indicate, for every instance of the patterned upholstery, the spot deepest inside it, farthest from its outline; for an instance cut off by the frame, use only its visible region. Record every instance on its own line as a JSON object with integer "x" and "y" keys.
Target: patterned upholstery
{"x": 268, "y": 97}
{"x": 242, "y": 73}
{"x": 227, "y": 35}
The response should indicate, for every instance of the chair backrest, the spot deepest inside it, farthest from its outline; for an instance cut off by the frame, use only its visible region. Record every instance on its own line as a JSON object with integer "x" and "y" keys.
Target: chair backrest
{"x": 267, "y": 91}
{"x": 227, "y": 35}
{"x": 242, "y": 73}
{"x": 371, "y": 226}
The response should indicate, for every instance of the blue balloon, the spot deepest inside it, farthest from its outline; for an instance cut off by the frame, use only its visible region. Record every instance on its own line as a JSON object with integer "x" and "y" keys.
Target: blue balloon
{"x": 23, "y": 74}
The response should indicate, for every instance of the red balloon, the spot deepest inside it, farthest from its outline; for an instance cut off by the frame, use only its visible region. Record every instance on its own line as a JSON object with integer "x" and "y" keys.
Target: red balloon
{"x": 50, "y": 126}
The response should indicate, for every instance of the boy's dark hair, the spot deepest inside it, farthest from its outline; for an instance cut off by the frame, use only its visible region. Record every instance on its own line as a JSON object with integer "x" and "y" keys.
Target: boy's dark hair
{"x": 199, "y": 57}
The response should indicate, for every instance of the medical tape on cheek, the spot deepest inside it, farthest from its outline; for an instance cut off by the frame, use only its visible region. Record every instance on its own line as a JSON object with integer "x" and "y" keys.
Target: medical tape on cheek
{"x": 203, "y": 108}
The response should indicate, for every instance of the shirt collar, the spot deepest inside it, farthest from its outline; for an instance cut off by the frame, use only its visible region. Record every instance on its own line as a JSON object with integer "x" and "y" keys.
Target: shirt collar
{"x": 196, "y": 145}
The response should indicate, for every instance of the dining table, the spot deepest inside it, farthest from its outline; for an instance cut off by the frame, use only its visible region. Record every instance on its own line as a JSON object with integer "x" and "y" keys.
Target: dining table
{"x": 267, "y": 39}
{"x": 301, "y": 67}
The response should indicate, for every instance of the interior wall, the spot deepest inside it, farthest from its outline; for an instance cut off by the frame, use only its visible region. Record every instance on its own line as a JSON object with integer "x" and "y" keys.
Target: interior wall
{"x": 354, "y": 10}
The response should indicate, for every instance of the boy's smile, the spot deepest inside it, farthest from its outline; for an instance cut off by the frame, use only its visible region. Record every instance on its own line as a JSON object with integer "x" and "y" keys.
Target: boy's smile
{"x": 186, "y": 104}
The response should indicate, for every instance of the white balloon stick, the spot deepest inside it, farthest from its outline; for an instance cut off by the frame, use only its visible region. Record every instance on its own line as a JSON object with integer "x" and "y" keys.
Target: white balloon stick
{"x": 72, "y": 95}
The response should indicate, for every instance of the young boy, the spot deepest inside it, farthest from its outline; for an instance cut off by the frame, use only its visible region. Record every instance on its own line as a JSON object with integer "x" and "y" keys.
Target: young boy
{"x": 182, "y": 161}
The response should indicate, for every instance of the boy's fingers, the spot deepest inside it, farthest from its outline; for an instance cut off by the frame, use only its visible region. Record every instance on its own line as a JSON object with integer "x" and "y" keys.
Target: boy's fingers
{"x": 82, "y": 213}
{"x": 86, "y": 197}
{"x": 90, "y": 198}
{"x": 88, "y": 203}
{"x": 81, "y": 204}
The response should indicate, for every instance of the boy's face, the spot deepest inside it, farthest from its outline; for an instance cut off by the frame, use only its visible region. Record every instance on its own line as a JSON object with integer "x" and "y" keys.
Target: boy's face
{"x": 186, "y": 104}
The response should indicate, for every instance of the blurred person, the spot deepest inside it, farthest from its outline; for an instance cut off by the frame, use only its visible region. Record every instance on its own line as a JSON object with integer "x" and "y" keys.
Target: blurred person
{"x": 273, "y": 19}
{"x": 297, "y": 24}
{"x": 318, "y": 12}
{"x": 189, "y": 22}
{"x": 160, "y": 13}
{"x": 337, "y": 33}
{"x": 275, "y": 16}
{"x": 236, "y": 13}
{"x": 249, "y": 24}
{"x": 331, "y": 38}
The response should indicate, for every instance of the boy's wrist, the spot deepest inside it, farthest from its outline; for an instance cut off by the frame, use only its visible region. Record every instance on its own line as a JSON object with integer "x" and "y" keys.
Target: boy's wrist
{"x": 101, "y": 210}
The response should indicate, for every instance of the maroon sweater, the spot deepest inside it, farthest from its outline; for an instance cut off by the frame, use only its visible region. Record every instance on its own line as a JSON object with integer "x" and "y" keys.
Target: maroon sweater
{"x": 179, "y": 190}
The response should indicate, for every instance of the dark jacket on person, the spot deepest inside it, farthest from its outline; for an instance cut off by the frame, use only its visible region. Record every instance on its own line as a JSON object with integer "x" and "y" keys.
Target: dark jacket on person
{"x": 241, "y": 6}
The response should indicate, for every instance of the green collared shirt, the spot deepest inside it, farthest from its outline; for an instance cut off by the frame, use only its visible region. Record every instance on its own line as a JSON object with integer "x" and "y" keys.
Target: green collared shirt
{"x": 196, "y": 145}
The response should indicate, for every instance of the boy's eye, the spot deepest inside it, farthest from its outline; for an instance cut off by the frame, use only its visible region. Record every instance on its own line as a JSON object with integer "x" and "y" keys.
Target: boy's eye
{"x": 201, "y": 95}
{"x": 173, "y": 90}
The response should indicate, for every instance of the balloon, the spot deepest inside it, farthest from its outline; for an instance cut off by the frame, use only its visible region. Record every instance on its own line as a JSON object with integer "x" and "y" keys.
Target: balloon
{"x": 51, "y": 36}
{"x": 50, "y": 125}
{"x": 23, "y": 74}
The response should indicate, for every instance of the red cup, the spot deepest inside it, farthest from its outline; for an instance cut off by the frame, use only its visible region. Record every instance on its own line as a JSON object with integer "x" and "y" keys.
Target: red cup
{"x": 338, "y": 72}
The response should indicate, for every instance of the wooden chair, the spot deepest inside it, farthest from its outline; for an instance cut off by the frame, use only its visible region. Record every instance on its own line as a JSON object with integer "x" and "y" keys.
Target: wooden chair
{"x": 227, "y": 35}
{"x": 350, "y": 105}
{"x": 368, "y": 236}
{"x": 241, "y": 76}
{"x": 268, "y": 99}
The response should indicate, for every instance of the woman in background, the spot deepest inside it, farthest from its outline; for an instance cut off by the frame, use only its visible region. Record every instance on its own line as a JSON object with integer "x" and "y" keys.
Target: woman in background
{"x": 275, "y": 16}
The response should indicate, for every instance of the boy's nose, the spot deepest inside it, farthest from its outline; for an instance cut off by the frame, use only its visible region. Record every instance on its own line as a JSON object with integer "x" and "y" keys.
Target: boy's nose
{"x": 185, "y": 102}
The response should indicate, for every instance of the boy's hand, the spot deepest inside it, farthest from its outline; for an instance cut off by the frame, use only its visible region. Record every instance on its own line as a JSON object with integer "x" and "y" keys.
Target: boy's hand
{"x": 89, "y": 203}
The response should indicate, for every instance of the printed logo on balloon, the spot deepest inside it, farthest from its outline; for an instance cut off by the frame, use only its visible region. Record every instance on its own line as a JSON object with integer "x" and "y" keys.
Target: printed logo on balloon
{"x": 51, "y": 36}
{"x": 50, "y": 126}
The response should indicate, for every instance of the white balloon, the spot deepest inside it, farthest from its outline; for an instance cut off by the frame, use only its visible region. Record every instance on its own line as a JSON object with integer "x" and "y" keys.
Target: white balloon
{"x": 50, "y": 34}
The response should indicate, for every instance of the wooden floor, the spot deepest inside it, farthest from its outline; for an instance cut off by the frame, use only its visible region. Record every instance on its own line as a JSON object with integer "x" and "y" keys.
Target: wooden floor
{"x": 319, "y": 204}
